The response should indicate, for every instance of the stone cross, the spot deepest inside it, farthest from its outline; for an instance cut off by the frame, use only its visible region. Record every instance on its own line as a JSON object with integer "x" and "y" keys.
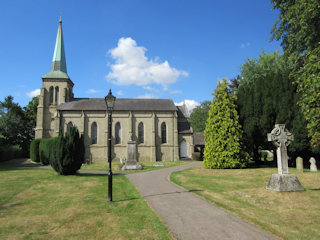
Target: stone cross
{"x": 281, "y": 138}
{"x": 313, "y": 165}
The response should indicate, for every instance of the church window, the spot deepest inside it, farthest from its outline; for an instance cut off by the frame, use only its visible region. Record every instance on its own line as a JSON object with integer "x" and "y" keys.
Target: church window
{"x": 66, "y": 95}
{"x": 70, "y": 125}
{"x": 51, "y": 95}
{"x": 57, "y": 95}
{"x": 118, "y": 133}
{"x": 140, "y": 133}
{"x": 163, "y": 133}
{"x": 94, "y": 132}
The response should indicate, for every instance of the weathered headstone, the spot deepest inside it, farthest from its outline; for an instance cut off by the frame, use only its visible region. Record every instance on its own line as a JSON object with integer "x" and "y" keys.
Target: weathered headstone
{"x": 299, "y": 164}
{"x": 131, "y": 162}
{"x": 313, "y": 165}
{"x": 283, "y": 181}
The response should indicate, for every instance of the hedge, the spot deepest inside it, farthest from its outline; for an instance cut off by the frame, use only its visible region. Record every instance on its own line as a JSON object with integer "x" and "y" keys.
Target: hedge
{"x": 46, "y": 149}
{"x": 34, "y": 150}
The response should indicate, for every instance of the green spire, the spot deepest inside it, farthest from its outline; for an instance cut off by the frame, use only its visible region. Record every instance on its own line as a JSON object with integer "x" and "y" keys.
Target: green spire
{"x": 59, "y": 58}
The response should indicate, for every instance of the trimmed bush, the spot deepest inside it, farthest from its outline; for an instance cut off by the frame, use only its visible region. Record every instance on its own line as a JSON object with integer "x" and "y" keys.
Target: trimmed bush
{"x": 68, "y": 156}
{"x": 34, "y": 150}
{"x": 46, "y": 150}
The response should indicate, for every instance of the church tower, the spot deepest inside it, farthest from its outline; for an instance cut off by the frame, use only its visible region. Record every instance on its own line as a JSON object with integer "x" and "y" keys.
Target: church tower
{"x": 57, "y": 88}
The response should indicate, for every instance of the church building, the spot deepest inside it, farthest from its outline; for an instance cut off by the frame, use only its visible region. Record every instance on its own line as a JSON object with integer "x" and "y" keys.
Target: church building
{"x": 161, "y": 129}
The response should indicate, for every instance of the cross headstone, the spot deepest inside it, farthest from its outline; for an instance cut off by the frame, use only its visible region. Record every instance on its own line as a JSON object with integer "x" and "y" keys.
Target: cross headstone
{"x": 299, "y": 164}
{"x": 281, "y": 138}
{"x": 313, "y": 165}
{"x": 283, "y": 181}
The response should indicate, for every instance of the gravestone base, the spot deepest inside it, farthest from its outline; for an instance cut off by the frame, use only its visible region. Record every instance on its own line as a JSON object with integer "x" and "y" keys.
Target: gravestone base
{"x": 132, "y": 163}
{"x": 284, "y": 183}
{"x": 132, "y": 167}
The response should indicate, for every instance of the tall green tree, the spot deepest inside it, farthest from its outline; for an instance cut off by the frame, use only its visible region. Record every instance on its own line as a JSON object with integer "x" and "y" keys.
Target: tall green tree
{"x": 223, "y": 134}
{"x": 17, "y": 124}
{"x": 298, "y": 28}
{"x": 308, "y": 86}
{"x": 199, "y": 116}
{"x": 266, "y": 96}
{"x": 298, "y": 25}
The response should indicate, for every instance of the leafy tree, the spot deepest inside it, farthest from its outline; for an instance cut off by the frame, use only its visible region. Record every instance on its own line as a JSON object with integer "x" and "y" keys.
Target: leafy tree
{"x": 199, "y": 116}
{"x": 17, "y": 124}
{"x": 298, "y": 25}
{"x": 266, "y": 96}
{"x": 223, "y": 134}
{"x": 12, "y": 123}
{"x": 30, "y": 112}
{"x": 308, "y": 84}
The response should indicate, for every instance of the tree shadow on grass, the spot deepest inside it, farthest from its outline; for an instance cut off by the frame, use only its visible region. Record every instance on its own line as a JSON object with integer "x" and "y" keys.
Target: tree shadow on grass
{"x": 96, "y": 174}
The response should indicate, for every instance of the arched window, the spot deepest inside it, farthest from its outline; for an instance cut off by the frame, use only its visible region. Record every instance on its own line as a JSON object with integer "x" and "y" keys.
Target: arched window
{"x": 163, "y": 133}
{"x": 70, "y": 125}
{"x": 140, "y": 133}
{"x": 118, "y": 133}
{"x": 57, "y": 95}
{"x": 51, "y": 95}
{"x": 94, "y": 132}
{"x": 66, "y": 95}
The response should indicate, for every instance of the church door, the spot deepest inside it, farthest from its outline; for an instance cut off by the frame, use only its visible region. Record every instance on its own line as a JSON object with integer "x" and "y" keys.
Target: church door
{"x": 183, "y": 149}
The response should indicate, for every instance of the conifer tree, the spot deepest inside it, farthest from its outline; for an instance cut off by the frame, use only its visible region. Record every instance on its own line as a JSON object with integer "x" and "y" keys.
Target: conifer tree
{"x": 223, "y": 134}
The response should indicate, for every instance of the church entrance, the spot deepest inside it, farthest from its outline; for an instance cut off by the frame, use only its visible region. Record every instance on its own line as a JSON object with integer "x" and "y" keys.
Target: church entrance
{"x": 183, "y": 149}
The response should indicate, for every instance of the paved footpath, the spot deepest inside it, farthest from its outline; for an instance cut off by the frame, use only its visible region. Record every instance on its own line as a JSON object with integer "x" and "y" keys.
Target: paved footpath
{"x": 187, "y": 215}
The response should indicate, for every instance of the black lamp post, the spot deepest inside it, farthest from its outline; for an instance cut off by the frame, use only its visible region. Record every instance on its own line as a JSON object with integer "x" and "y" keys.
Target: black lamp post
{"x": 110, "y": 99}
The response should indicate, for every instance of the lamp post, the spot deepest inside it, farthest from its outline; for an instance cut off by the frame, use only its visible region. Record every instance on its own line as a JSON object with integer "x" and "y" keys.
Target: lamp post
{"x": 110, "y": 99}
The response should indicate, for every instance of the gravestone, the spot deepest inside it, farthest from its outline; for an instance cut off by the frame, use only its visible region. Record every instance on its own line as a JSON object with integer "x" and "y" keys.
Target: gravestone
{"x": 313, "y": 165}
{"x": 283, "y": 181}
{"x": 131, "y": 161}
{"x": 299, "y": 164}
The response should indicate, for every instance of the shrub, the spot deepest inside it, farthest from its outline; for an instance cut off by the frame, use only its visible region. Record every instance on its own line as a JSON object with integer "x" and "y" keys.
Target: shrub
{"x": 46, "y": 150}
{"x": 34, "y": 150}
{"x": 69, "y": 153}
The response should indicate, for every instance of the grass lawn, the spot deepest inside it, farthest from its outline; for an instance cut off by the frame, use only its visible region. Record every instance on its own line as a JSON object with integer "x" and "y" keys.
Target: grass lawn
{"x": 40, "y": 204}
{"x": 116, "y": 166}
{"x": 289, "y": 215}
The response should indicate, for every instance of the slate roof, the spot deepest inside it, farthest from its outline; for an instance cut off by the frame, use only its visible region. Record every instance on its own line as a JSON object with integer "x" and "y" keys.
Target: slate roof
{"x": 198, "y": 139}
{"x": 182, "y": 113}
{"x": 184, "y": 127}
{"x": 121, "y": 104}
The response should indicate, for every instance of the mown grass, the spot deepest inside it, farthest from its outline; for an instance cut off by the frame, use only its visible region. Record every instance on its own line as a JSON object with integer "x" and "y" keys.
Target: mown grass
{"x": 40, "y": 204}
{"x": 116, "y": 166}
{"x": 289, "y": 215}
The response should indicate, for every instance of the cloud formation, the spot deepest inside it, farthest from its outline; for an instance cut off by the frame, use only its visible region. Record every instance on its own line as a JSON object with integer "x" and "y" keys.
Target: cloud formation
{"x": 243, "y": 45}
{"x": 92, "y": 91}
{"x": 148, "y": 96}
{"x": 133, "y": 67}
{"x": 190, "y": 104}
{"x": 34, "y": 93}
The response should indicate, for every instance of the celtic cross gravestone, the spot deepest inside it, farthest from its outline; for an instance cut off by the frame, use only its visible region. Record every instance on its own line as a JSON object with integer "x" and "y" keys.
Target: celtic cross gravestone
{"x": 283, "y": 181}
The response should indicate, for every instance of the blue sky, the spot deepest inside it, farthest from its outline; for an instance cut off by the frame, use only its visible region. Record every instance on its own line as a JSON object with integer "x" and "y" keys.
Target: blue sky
{"x": 138, "y": 48}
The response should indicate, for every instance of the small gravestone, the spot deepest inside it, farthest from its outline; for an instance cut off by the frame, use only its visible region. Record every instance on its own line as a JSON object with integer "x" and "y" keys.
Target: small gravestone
{"x": 313, "y": 165}
{"x": 131, "y": 162}
{"x": 283, "y": 181}
{"x": 299, "y": 164}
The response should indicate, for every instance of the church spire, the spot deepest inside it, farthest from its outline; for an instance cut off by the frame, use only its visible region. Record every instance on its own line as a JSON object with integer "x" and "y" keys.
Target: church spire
{"x": 59, "y": 58}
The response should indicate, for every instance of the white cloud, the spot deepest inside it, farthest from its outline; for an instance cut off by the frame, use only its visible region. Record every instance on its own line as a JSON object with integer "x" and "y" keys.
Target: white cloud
{"x": 176, "y": 92}
{"x": 148, "y": 96}
{"x": 243, "y": 45}
{"x": 33, "y": 93}
{"x": 92, "y": 91}
{"x": 190, "y": 104}
{"x": 133, "y": 67}
{"x": 120, "y": 93}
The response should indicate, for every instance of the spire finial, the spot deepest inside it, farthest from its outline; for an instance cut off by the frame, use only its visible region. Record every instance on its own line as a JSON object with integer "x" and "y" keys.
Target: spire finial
{"x": 60, "y": 21}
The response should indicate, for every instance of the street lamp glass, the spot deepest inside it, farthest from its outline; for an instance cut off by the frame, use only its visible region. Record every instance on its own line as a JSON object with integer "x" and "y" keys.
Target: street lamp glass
{"x": 110, "y": 99}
